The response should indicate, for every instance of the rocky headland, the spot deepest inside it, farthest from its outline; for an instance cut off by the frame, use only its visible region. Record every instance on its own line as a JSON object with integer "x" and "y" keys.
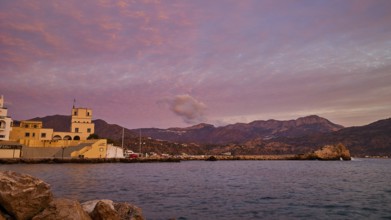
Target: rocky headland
{"x": 328, "y": 152}
{"x": 24, "y": 197}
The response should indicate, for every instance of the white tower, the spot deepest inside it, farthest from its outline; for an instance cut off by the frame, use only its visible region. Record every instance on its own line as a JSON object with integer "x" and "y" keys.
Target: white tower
{"x": 5, "y": 121}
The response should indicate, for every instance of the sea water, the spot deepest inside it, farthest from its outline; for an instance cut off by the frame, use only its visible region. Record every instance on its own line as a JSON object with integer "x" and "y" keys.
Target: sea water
{"x": 358, "y": 189}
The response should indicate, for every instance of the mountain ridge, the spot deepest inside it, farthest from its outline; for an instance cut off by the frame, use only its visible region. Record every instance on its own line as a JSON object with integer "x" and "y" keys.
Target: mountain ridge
{"x": 240, "y": 132}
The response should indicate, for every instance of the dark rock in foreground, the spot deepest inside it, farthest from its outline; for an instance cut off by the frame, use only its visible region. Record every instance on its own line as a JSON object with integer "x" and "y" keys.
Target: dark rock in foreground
{"x": 107, "y": 209}
{"x": 104, "y": 211}
{"x": 25, "y": 197}
{"x": 63, "y": 209}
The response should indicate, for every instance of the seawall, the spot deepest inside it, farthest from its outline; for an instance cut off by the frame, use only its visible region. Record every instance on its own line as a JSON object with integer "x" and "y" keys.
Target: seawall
{"x": 85, "y": 160}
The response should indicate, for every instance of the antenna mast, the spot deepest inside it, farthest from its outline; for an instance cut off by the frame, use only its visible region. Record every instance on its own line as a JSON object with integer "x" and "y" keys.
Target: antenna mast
{"x": 123, "y": 131}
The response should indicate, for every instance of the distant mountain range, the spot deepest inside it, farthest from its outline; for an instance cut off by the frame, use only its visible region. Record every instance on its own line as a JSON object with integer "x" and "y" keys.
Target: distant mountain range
{"x": 242, "y": 132}
{"x": 258, "y": 137}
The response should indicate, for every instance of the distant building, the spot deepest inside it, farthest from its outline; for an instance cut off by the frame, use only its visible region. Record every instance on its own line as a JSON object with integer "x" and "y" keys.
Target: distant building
{"x": 42, "y": 142}
{"x": 114, "y": 151}
{"x": 5, "y": 121}
{"x": 8, "y": 149}
{"x": 32, "y": 133}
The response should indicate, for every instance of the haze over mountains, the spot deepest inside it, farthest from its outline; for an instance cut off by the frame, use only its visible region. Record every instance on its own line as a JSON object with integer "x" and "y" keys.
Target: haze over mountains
{"x": 258, "y": 137}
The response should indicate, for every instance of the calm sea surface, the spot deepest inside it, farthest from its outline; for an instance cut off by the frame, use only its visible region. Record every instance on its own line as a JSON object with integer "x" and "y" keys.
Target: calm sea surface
{"x": 358, "y": 189}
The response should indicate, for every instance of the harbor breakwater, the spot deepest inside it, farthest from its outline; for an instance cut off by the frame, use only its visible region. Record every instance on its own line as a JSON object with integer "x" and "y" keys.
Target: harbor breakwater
{"x": 86, "y": 160}
{"x": 328, "y": 152}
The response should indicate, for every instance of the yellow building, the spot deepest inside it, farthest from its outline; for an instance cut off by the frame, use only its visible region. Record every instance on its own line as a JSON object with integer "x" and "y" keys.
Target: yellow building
{"x": 81, "y": 122}
{"x": 45, "y": 142}
{"x": 31, "y": 130}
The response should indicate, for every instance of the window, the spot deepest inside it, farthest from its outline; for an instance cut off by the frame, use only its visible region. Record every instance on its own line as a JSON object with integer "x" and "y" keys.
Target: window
{"x": 75, "y": 113}
{"x": 27, "y": 134}
{"x": 89, "y": 130}
{"x": 33, "y": 134}
{"x": 26, "y": 126}
{"x": 43, "y": 135}
{"x": 88, "y": 113}
{"x": 76, "y": 129}
{"x": 35, "y": 126}
{"x": 2, "y": 136}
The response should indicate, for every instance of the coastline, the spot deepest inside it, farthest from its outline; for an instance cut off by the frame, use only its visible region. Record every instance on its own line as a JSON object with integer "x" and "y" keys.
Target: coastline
{"x": 84, "y": 160}
{"x": 157, "y": 160}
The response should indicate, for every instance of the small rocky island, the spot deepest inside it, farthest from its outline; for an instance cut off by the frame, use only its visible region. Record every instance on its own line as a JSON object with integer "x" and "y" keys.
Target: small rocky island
{"x": 24, "y": 197}
{"x": 328, "y": 152}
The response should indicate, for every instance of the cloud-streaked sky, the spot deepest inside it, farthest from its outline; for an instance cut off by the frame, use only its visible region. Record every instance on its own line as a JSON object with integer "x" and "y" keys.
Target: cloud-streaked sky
{"x": 151, "y": 63}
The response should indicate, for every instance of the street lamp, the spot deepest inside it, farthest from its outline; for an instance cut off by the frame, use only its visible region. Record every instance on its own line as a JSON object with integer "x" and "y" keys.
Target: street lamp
{"x": 140, "y": 143}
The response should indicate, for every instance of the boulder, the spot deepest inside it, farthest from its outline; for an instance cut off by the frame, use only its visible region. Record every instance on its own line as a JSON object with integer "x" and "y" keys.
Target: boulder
{"x": 23, "y": 196}
{"x": 332, "y": 152}
{"x": 127, "y": 211}
{"x": 89, "y": 206}
{"x": 103, "y": 211}
{"x": 63, "y": 209}
{"x": 211, "y": 158}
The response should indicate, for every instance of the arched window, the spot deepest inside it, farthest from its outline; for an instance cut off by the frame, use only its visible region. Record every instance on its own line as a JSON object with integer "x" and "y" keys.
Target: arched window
{"x": 76, "y": 138}
{"x": 57, "y": 137}
{"x": 67, "y": 137}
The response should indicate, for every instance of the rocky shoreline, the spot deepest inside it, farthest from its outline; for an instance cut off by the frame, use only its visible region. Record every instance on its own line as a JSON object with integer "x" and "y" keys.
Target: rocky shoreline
{"x": 24, "y": 197}
{"x": 328, "y": 152}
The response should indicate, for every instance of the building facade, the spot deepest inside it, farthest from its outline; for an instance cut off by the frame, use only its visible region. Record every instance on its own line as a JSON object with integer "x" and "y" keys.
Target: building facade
{"x": 5, "y": 121}
{"x": 41, "y": 142}
{"x": 31, "y": 133}
{"x": 81, "y": 122}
